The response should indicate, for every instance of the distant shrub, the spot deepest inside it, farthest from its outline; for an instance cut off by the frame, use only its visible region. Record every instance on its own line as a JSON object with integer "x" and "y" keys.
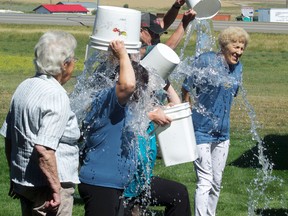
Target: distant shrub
{"x": 126, "y": 6}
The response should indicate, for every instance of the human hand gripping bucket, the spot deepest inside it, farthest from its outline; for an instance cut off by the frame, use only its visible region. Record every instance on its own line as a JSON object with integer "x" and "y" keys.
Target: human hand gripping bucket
{"x": 205, "y": 9}
{"x": 177, "y": 140}
{"x": 116, "y": 23}
{"x": 162, "y": 59}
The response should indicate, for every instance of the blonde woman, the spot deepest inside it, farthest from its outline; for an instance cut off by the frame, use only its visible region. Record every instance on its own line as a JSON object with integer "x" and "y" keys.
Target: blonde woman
{"x": 213, "y": 83}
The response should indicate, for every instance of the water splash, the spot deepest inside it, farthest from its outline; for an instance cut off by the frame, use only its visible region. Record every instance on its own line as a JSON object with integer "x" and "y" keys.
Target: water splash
{"x": 98, "y": 75}
{"x": 264, "y": 175}
{"x": 88, "y": 83}
{"x": 205, "y": 42}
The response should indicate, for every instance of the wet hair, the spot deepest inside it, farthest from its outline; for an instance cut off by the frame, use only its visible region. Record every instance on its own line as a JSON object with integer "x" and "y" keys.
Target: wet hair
{"x": 141, "y": 74}
{"x": 142, "y": 79}
{"x": 231, "y": 35}
{"x": 52, "y": 50}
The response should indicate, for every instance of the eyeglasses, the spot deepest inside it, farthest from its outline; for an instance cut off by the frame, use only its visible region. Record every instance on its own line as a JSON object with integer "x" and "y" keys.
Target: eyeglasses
{"x": 70, "y": 59}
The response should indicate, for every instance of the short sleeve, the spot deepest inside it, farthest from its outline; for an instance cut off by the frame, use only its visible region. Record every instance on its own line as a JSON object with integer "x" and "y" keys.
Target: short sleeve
{"x": 55, "y": 115}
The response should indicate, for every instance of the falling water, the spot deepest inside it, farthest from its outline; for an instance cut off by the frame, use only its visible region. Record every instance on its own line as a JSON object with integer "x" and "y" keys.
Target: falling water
{"x": 98, "y": 74}
{"x": 264, "y": 176}
{"x": 205, "y": 42}
{"x": 94, "y": 78}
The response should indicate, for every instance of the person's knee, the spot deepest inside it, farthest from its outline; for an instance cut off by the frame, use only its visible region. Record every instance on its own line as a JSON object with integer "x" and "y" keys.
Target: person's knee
{"x": 205, "y": 181}
{"x": 216, "y": 185}
{"x": 217, "y": 180}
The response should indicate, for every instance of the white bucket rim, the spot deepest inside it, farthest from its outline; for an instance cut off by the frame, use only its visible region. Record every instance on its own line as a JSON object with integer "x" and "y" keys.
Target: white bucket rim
{"x": 176, "y": 107}
{"x": 96, "y": 43}
{"x": 97, "y": 39}
{"x": 208, "y": 17}
{"x": 173, "y": 57}
{"x": 105, "y": 48}
{"x": 212, "y": 13}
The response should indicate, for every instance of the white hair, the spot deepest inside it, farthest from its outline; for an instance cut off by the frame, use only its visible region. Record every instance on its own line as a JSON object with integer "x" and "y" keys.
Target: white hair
{"x": 52, "y": 50}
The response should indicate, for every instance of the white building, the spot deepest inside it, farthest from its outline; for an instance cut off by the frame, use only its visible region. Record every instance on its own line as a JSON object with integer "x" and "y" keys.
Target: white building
{"x": 273, "y": 15}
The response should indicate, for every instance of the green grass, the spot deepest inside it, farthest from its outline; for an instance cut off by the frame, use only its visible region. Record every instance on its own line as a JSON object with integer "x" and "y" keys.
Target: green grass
{"x": 265, "y": 78}
{"x": 19, "y": 6}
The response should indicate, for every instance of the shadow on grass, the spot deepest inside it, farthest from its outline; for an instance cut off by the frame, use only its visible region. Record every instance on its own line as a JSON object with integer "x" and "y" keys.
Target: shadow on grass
{"x": 272, "y": 212}
{"x": 275, "y": 148}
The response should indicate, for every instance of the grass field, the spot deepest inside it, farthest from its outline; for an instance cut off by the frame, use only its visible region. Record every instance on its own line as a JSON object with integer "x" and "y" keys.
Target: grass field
{"x": 265, "y": 79}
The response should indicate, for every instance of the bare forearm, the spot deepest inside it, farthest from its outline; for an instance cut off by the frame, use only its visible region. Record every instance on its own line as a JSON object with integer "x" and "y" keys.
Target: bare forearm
{"x": 173, "y": 96}
{"x": 176, "y": 37}
{"x": 126, "y": 83}
{"x": 127, "y": 75}
{"x": 48, "y": 165}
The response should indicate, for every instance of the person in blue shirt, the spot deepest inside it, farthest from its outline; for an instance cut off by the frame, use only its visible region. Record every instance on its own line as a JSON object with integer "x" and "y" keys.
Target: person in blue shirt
{"x": 109, "y": 156}
{"x": 213, "y": 83}
{"x": 146, "y": 189}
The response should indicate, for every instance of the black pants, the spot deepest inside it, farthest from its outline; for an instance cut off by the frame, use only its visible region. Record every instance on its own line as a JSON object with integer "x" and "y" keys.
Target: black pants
{"x": 100, "y": 201}
{"x": 173, "y": 195}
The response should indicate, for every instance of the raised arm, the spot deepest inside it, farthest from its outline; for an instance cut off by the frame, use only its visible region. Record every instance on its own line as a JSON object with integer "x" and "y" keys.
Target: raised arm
{"x": 171, "y": 14}
{"x": 178, "y": 34}
{"x": 126, "y": 83}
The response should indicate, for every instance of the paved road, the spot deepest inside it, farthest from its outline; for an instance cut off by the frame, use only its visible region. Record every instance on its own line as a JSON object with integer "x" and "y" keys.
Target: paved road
{"x": 88, "y": 20}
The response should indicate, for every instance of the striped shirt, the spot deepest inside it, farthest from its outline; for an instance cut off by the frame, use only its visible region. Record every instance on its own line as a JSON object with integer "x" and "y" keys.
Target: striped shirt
{"x": 40, "y": 113}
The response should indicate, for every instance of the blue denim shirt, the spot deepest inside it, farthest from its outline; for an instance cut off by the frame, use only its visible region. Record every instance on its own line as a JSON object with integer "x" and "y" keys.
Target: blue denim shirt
{"x": 214, "y": 84}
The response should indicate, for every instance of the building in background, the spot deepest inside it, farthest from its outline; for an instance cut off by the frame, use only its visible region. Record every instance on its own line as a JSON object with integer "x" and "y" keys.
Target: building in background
{"x": 90, "y": 6}
{"x": 57, "y": 9}
{"x": 247, "y": 13}
{"x": 273, "y": 15}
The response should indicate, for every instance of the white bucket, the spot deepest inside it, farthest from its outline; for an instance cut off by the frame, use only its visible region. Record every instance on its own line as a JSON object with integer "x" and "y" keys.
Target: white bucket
{"x": 206, "y": 9}
{"x": 116, "y": 23}
{"x": 162, "y": 59}
{"x": 177, "y": 140}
